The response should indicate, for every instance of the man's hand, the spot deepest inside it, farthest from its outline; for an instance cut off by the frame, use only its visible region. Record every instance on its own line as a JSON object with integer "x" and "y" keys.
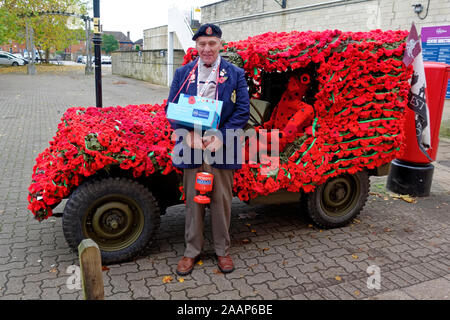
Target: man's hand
{"x": 194, "y": 140}
{"x": 212, "y": 143}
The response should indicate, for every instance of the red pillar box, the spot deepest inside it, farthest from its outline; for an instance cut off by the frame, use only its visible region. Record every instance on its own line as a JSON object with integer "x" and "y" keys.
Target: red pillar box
{"x": 412, "y": 172}
{"x": 437, "y": 75}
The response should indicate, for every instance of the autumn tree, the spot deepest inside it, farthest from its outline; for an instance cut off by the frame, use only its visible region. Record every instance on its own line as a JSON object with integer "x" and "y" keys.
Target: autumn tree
{"x": 51, "y": 32}
{"x": 8, "y": 26}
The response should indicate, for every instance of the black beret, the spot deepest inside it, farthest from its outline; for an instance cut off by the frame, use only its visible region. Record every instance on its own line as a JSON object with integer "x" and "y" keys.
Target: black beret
{"x": 208, "y": 30}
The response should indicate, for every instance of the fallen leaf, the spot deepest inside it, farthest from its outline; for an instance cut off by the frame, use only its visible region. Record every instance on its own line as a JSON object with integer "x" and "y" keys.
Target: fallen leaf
{"x": 200, "y": 262}
{"x": 105, "y": 268}
{"x": 357, "y": 293}
{"x": 53, "y": 270}
{"x": 217, "y": 271}
{"x": 248, "y": 224}
{"x": 245, "y": 241}
{"x": 253, "y": 230}
{"x": 338, "y": 278}
{"x": 354, "y": 256}
{"x": 266, "y": 249}
{"x": 387, "y": 229}
{"x": 167, "y": 279}
{"x": 406, "y": 198}
{"x": 181, "y": 280}
{"x": 310, "y": 225}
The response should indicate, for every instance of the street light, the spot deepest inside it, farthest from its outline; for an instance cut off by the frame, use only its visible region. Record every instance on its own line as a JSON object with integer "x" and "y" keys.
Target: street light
{"x": 97, "y": 39}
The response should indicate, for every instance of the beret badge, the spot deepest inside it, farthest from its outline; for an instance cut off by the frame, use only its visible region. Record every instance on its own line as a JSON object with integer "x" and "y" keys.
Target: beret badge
{"x": 209, "y": 31}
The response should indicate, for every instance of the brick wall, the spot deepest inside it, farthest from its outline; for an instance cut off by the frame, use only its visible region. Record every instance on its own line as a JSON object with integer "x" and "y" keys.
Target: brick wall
{"x": 240, "y": 19}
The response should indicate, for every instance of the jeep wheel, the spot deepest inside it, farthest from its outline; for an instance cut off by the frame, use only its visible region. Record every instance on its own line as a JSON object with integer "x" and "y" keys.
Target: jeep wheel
{"x": 120, "y": 215}
{"x": 336, "y": 202}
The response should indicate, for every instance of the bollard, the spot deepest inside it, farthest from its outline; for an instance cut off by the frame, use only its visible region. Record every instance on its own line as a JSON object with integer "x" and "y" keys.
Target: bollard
{"x": 91, "y": 270}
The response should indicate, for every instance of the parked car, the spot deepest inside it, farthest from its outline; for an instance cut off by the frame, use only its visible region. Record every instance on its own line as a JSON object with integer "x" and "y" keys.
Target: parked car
{"x": 20, "y": 56}
{"x": 106, "y": 59}
{"x": 15, "y": 55}
{"x": 84, "y": 59}
{"x": 347, "y": 93}
{"x": 9, "y": 59}
{"x": 28, "y": 56}
{"x": 80, "y": 59}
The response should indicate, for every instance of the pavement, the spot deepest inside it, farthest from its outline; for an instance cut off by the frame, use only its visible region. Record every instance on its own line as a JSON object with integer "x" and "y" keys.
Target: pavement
{"x": 397, "y": 248}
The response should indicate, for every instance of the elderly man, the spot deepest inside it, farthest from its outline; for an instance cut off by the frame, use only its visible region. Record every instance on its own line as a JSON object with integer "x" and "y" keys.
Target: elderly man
{"x": 212, "y": 77}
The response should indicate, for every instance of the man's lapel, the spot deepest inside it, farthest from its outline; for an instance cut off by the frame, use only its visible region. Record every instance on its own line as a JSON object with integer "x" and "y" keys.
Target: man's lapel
{"x": 225, "y": 73}
{"x": 192, "y": 89}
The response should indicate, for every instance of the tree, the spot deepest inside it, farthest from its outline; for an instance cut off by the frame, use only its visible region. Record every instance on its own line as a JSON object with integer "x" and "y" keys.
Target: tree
{"x": 51, "y": 32}
{"x": 109, "y": 43}
{"x": 8, "y": 27}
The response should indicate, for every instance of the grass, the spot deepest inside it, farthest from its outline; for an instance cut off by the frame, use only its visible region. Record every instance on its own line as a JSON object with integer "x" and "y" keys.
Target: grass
{"x": 40, "y": 68}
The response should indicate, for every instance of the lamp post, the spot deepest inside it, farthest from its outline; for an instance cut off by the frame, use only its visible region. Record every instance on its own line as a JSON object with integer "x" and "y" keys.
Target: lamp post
{"x": 97, "y": 39}
{"x": 87, "y": 22}
{"x": 31, "y": 68}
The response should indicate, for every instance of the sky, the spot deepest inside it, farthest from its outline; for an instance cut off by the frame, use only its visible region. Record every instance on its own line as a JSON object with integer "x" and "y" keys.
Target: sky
{"x": 137, "y": 15}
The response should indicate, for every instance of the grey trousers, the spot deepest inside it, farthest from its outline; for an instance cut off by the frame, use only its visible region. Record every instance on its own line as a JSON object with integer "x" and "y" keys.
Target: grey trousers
{"x": 220, "y": 209}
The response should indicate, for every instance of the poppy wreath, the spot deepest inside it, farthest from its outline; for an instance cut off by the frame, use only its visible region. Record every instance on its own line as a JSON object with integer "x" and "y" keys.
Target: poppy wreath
{"x": 358, "y": 121}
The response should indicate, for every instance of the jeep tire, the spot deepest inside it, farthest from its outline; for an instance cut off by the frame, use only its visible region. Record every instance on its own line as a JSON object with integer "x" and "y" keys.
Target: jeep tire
{"x": 339, "y": 200}
{"x": 119, "y": 214}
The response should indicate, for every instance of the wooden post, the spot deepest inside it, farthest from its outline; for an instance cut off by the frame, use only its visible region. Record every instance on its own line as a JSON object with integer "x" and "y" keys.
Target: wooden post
{"x": 91, "y": 270}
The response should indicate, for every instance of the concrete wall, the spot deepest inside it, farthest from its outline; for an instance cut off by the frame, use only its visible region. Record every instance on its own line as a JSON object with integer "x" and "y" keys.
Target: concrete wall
{"x": 156, "y": 39}
{"x": 240, "y": 19}
{"x": 149, "y": 65}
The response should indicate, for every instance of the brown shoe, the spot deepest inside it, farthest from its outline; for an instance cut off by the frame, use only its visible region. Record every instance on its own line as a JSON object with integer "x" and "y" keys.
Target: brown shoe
{"x": 185, "y": 266}
{"x": 225, "y": 264}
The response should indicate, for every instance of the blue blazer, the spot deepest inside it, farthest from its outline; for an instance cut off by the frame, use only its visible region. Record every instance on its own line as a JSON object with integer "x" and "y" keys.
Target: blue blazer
{"x": 234, "y": 115}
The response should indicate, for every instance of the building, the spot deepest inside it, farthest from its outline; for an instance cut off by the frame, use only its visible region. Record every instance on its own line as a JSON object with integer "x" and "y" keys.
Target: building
{"x": 240, "y": 19}
{"x": 156, "y": 39}
{"x": 13, "y": 47}
{"x": 75, "y": 50}
{"x": 125, "y": 43}
{"x": 138, "y": 45}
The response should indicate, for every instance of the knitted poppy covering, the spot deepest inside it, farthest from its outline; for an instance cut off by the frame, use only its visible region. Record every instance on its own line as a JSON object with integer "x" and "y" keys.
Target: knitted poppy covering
{"x": 362, "y": 91}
